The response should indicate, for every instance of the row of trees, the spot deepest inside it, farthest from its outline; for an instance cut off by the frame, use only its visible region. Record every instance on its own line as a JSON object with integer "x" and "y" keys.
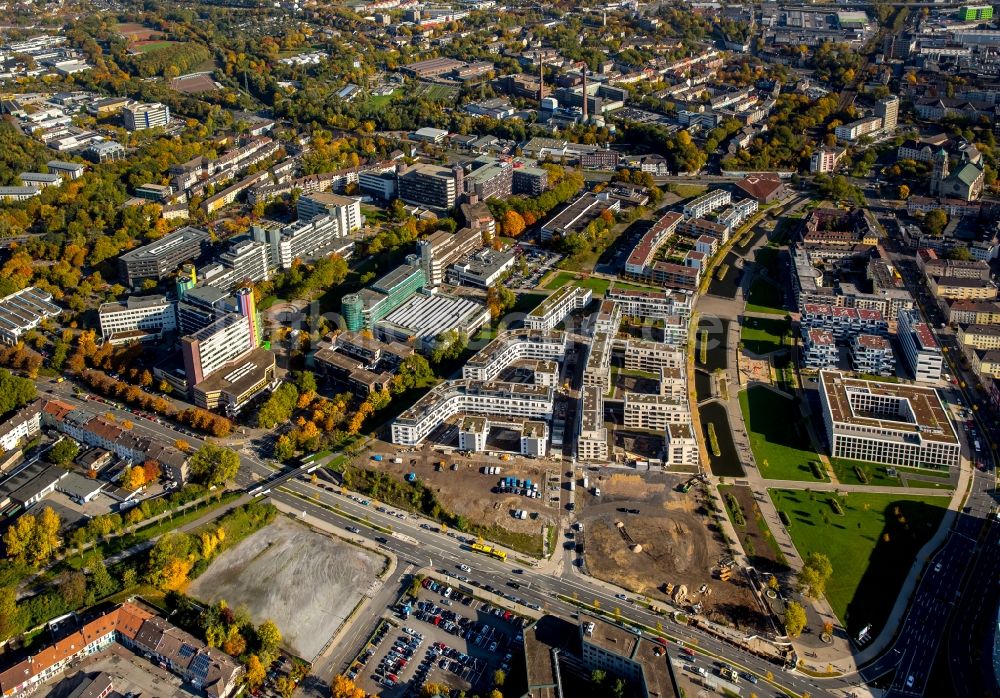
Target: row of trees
{"x": 176, "y": 554}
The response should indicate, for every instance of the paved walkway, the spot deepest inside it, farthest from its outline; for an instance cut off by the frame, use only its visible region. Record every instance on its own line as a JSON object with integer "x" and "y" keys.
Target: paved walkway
{"x": 817, "y": 486}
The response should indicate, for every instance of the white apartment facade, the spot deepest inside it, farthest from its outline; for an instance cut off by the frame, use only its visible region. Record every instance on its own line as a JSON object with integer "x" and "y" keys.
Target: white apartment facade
{"x": 706, "y": 203}
{"x": 511, "y": 346}
{"x": 654, "y": 412}
{"x": 592, "y": 435}
{"x": 554, "y": 309}
{"x": 472, "y": 397}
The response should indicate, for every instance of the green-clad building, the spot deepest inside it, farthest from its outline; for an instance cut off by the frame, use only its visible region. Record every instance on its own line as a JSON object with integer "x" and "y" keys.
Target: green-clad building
{"x": 975, "y": 12}
{"x": 363, "y": 309}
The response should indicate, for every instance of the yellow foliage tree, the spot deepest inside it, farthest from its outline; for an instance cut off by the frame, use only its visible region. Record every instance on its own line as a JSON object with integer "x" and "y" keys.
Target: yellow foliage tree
{"x": 343, "y": 687}
{"x": 256, "y": 672}
{"x": 133, "y": 478}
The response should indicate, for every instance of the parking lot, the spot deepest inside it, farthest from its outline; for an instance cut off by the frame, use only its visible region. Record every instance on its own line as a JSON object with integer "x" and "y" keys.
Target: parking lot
{"x": 539, "y": 262}
{"x": 441, "y": 637}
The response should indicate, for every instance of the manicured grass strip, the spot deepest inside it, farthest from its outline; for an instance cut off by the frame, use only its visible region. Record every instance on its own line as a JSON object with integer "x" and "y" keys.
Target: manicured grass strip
{"x": 763, "y": 335}
{"x": 856, "y": 472}
{"x": 871, "y": 546}
{"x": 765, "y": 297}
{"x": 778, "y": 435}
{"x": 597, "y": 285}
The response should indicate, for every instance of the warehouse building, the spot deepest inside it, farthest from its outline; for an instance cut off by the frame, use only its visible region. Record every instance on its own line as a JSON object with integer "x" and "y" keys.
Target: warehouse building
{"x": 23, "y": 311}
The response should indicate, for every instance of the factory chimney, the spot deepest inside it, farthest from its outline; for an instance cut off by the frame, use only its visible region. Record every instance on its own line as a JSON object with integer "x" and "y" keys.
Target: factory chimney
{"x": 585, "y": 93}
{"x": 541, "y": 77}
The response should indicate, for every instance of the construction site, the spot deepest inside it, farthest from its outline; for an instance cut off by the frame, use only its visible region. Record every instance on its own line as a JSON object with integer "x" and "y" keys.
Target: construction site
{"x": 644, "y": 534}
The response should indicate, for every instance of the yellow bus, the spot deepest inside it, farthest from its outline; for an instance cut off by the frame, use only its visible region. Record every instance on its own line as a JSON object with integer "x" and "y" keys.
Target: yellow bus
{"x": 488, "y": 550}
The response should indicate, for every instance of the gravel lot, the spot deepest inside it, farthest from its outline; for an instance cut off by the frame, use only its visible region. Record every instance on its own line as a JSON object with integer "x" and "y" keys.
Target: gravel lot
{"x": 304, "y": 581}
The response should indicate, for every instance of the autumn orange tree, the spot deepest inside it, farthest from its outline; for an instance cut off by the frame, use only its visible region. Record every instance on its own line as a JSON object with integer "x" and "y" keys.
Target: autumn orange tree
{"x": 343, "y": 687}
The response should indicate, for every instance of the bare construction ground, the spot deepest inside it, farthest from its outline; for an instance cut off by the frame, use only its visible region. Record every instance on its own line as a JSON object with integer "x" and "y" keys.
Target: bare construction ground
{"x": 678, "y": 545}
{"x": 304, "y": 581}
{"x": 469, "y": 492}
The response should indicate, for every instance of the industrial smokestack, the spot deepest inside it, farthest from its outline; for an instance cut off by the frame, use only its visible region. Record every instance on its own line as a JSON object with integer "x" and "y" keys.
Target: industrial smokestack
{"x": 584, "y": 93}
{"x": 541, "y": 77}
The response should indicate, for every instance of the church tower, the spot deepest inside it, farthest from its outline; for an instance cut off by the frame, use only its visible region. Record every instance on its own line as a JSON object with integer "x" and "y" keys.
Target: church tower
{"x": 940, "y": 172}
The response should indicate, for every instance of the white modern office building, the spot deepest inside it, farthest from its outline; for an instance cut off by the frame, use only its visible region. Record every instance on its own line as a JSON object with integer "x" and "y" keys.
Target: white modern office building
{"x": 920, "y": 349}
{"x": 300, "y": 240}
{"x": 137, "y": 318}
{"x": 345, "y": 209}
{"x": 138, "y": 117}
{"x": 889, "y": 423}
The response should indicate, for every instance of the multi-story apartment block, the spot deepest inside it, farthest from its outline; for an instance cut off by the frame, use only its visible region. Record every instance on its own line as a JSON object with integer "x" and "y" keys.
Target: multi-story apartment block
{"x": 963, "y": 289}
{"x": 23, "y": 425}
{"x": 592, "y": 435}
{"x": 638, "y": 264}
{"x": 654, "y": 412}
{"x": 137, "y": 318}
{"x": 681, "y": 445}
{"x": 608, "y": 318}
{"x": 346, "y": 210}
{"x": 697, "y": 227}
{"x": 674, "y": 276}
{"x": 843, "y": 322}
{"x": 932, "y": 265}
{"x": 979, "y": 337}
{"x": 136, "y": 627}
{"x": 142, "y": 116}
{"x": 826, "y": 159}
{"x": 872, "y": 354}
{"x": 530, "y": 181}
{"x": 302, "y": 239}
{"x": 859, "y": 128}
{"x": 706, "y": 203}
{"x": 159, "y": 259}
{"x": 887, "y": 110}
{"x": 554, "y": 309}
{"x": 511, "y": 346}
{"x": 489, "y": 178}
{"x": 642, "y": 355}
{"x": 888, "y": 423}
{"x": 492, "y": 399}
{"x": 920, "y": 348}
{"x": 736, "y": 216}
{"x": 660, "y": 305}
{"x": 973, "y": 313}
{"x": 820, "y": 349}
{"x": 597, "y": 369}
{"x": 986, "y": 363}
{"x": 430, "y": 185}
